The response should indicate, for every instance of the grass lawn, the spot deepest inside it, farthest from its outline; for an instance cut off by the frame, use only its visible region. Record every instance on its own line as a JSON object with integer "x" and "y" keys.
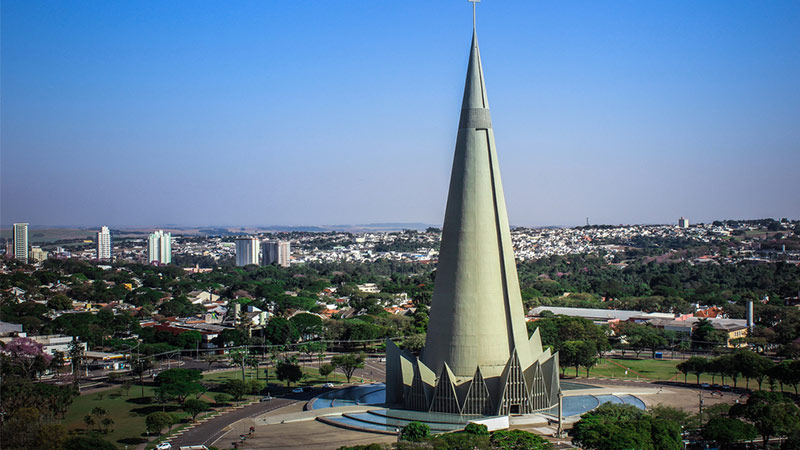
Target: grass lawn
{"x": 310, "y": 378}
{"x": 129, "y": 411}
{"x": 657, "y": 370}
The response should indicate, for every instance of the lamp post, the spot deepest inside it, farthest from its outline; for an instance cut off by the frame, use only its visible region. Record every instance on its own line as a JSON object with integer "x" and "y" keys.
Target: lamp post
{"x": 560, "y": 413}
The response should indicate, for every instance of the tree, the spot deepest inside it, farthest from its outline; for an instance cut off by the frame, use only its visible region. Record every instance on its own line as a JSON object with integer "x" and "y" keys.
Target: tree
{"x": 21, "y": 429}
{"x": 415, "y": 432}
{"x": 52, "y": 436}
{"x": 157, "y": 421}
{"x": 280, "y": 331}
{"x": 138, "y": 367}
{"x": 98, "y": 413}
{"x": 190, "y": 339}
{"x": 477, "y": 429}
{"x": 107, "y": 422}
{"x": 194, "y": 407}
{"x": 413, "y": 343}
{"x": 569, "y": 355}
{"x": 619, "y": 426}
{"x": 728, "y": 430}
{"x": 587, "y": 355}
{"x": 240, "y": 356}
{"x": 289, "y": 371}
{"x": 236, "y": 389}
{"x": 307, "y": 325}
{"x": 751, "y": 365}
{"x": 59, "y": 302}
{"x": 348, "y": 363}
{"x": 519, "y": 440}
{"x": 27, "y": 355}
{"x": 325, "y": 370}
{"x": 88, "y": 443}
{"x": 179, "y": 383}
{"x": 221, "y": 398}
{"x": 88, "y": 420}
{"x": 772, "y": 413}
{"x": 230, "y": 336}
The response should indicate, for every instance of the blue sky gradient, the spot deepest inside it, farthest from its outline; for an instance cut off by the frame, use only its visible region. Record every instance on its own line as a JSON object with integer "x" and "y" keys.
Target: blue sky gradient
{"x": 262, "y": 112}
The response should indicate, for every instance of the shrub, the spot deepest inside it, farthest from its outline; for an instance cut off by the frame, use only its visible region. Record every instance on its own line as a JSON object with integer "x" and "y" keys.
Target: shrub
{"x": 415, "y": 432}
{"x": 477, "y": 428}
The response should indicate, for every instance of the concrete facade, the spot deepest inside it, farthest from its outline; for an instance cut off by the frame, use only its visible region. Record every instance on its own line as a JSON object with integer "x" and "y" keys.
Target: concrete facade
{"x": 478, "y": 359}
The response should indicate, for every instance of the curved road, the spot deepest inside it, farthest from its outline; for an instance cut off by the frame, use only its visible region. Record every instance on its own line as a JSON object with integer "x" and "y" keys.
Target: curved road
{"x": 208, "y": 432}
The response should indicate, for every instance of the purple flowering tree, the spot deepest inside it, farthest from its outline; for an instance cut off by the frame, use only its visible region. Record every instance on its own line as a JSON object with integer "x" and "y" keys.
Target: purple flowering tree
{"x": 27, "y": 354}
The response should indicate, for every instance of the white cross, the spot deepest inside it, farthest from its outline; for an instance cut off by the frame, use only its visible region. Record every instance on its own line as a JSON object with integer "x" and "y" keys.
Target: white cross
{"x": 473, "y": 11}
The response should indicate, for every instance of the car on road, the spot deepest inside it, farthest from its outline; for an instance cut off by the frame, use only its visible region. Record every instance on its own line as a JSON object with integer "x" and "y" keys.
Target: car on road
{"x": 297, "y": 390}
{"x": 265, "y": 398}
{"x": 328, "y": 385}
{"x": 164, "y": 446}
{"x": 308, "y": 389}
{"x": 705, "y": 386}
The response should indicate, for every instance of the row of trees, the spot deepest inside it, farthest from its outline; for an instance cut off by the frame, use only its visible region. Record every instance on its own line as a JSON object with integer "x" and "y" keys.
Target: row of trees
{"x": 744, "y": 364}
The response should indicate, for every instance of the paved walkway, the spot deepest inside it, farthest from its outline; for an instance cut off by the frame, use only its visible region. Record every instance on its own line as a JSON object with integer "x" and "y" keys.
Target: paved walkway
{"x": 289, "y": 417}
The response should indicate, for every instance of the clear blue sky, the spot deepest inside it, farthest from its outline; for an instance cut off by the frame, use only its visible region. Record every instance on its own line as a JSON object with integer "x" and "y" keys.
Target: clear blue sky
{"x": 330, "y": 112}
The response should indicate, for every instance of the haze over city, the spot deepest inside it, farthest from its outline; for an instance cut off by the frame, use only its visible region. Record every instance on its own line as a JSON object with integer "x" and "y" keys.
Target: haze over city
{"x": 286, "y": 113}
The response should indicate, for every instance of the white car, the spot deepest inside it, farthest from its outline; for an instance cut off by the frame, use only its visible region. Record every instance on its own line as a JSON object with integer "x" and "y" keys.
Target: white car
{"x": 328, "y": 385}
{"x": 164, "y": 446}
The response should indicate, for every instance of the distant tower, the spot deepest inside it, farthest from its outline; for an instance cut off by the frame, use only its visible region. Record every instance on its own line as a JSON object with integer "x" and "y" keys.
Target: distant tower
{"x": 587, "y": 221}
{"x": 750, "y": 319}
{"x": 277, "y": 252}
{"x": 247, "y": 250}
{"x": 683, "y": 222}
{"x": 478, "y": 358}
{"x": 104, "y": 244}
{"x": 159, "y": 247}
{"x": 21, "y": 242}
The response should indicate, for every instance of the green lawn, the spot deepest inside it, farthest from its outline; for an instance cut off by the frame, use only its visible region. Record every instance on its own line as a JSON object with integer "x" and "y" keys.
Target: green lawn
{"x": 311, "y": 377}
{"x": 129, "y": 411}
{"x": 656, "y": 370}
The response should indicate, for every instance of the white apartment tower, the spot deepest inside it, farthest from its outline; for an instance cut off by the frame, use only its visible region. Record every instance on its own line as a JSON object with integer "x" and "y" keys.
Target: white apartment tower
{"x": 21, "y": 242}
{"x": 247, "y": 251}
{"x": 683, "y": 222}
{"x": 159, "y": 247}
{"x": 277, "y": 252}
{"x": 104, "y": 244}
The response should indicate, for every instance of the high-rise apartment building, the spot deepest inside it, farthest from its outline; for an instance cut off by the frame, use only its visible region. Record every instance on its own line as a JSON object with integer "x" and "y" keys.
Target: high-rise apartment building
{"x": 104, "y": 244}
{"x": 37, "y": 254}
{"x": 159, "y": 247}
{"x": 277, "y": 252}
{"x": 683, "y": 222}
{"x": 247, "y": 251}
{"x": 21, "y": 242}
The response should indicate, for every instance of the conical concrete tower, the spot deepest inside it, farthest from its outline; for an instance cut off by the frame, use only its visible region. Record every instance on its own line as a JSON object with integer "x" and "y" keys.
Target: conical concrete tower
{"x": 477, "y": 358}
{"x": 477, "y": 316}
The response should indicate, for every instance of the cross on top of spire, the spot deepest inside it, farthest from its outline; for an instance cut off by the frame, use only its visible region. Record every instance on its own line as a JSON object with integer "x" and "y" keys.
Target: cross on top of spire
{"x": 473, "y": 11}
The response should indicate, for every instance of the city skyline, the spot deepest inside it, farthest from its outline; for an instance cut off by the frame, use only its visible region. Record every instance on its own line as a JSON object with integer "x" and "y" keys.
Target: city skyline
{"x": 629, "y": 113}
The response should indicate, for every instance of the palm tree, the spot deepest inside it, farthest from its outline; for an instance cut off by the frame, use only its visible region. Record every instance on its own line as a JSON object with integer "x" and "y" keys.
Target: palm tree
{"x": 89, "y": 421}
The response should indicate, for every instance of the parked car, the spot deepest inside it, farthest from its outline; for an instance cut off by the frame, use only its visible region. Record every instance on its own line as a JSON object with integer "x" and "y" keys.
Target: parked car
{"x": 328, "y": 385}
{"x": 308, "y": 389}
{"x": 164, "y": 446}
{"x": 705, "y": 386}
{"x": 266, "y": 398}
{"x": 297, "y": 390}
{"x": 726, "y": 387}
{"x": 716, "y": 386}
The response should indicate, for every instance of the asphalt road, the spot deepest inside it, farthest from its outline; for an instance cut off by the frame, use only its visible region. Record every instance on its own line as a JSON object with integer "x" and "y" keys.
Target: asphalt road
{"x": 208, "y": 432}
